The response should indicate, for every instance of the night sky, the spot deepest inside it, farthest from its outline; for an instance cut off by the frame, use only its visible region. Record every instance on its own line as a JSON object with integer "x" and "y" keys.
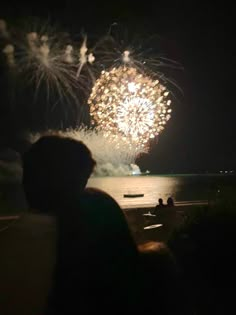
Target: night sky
{"x": 200, "y": 136}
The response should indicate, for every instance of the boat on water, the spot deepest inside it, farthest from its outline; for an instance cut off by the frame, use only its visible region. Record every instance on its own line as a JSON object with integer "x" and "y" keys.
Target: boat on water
{"x": 133, "y": 195}
{"x": 140, "y": 173}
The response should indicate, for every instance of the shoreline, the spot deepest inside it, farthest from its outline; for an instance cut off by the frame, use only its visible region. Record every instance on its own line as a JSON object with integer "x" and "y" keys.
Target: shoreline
{"x": 140, "y": 208}
{"x": 177, "y": 204}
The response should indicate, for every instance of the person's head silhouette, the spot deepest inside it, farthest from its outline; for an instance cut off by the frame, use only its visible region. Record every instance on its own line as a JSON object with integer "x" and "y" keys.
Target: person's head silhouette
{"x": 170, "y": 202}
{"x": 55, "y": 171}
{"x": 160, "y": 200}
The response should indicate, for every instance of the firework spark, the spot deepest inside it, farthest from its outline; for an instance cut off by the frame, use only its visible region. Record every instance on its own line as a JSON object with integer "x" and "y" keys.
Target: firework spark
{"x": 46, "y": 62}
{"x": 130, "y": 104}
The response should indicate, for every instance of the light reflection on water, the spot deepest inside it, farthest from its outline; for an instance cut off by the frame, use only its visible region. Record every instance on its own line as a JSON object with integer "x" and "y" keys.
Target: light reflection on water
{"x": 153, "y": 187}
{"x": 180, "y": 187}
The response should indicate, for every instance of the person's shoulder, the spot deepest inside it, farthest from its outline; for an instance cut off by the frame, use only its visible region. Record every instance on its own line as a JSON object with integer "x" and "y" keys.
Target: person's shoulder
{"x": 98, "y": 197}
{"x": 96, "y": 194}
{"x": 92, "y": 191}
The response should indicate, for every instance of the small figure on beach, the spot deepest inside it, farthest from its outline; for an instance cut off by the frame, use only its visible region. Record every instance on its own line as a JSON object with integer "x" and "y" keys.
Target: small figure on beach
{"x": 170, "y": 202}
{"x": 160, "y": 204}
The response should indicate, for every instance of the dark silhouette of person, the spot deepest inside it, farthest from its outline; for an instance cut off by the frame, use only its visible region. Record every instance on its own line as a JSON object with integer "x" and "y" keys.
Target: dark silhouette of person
{"x": 170, "y": 202}
{"x": 99, "y": 268}
{"x": 55, "y": 172}
{"x": 162, "y": 276}
{"x": 166, "y": 215}
{"x": 160, "y": 200}
{"x": 97, "y": 259}
{"x": 159, "y": 206}
{"x": 108, "y": 268}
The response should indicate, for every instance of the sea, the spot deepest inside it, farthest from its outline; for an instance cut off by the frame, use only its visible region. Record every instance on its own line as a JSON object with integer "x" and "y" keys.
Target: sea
{"x": 181, "y": 187}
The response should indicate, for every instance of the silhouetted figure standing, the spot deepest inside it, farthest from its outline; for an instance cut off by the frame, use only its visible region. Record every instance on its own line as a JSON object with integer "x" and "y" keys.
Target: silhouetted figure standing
{"x": 159, "y": 206}
{"x": 160, "y": 200}
{"x": 166, "y": 215}
{"x": 55, "y": 173}
{"x": 170, "y": 202}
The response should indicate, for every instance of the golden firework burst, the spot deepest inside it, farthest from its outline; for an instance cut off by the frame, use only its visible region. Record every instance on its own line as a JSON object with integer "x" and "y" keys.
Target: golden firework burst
{"x": 128, "y": 103}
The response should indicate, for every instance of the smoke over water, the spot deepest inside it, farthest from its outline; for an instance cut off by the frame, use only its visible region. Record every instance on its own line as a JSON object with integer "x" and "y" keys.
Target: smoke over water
{"x": 114, "y": 156}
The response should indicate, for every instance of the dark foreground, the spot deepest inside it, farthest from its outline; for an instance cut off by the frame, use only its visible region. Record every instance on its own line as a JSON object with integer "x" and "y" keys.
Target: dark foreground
{"x": 27, "y": 245}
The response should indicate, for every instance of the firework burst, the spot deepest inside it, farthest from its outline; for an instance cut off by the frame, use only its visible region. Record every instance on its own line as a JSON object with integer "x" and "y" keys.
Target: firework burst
{"x": 48, "y": 62}
{"x": 130, "y": 104}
